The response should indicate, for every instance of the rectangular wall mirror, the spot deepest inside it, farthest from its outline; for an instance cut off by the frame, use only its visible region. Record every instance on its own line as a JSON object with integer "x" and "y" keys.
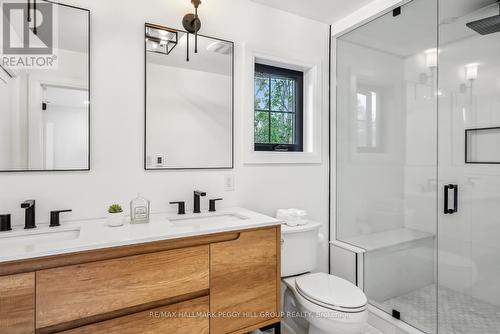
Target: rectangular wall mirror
{"x": 45, "y": 108}
{"x": 189, "y": 101}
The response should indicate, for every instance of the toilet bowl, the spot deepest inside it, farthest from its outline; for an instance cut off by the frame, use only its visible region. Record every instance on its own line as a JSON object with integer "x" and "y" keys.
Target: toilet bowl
{"x": 316, "y": 303}
{"x": 324, "y": 304}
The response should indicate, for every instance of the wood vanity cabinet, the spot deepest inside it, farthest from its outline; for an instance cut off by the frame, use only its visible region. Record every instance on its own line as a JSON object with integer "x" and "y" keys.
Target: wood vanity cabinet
{"x": 17, "y": 304}
{"x": 155, "y": 321}
{"x": 244, "y": 281}
{"x": 221, "y": 283}
{"x": 83, "y": 291}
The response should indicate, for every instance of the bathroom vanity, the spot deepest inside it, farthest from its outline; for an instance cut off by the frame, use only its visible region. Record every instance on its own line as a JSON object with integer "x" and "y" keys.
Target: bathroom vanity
{"x": 208, "y": 273}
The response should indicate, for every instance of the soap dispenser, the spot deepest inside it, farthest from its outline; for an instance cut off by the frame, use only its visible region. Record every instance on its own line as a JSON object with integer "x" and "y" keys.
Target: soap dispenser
{"x": 139, "y": 210}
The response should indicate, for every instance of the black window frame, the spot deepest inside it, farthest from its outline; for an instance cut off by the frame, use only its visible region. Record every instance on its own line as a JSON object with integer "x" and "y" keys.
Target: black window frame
{"x": 298, "y": 77}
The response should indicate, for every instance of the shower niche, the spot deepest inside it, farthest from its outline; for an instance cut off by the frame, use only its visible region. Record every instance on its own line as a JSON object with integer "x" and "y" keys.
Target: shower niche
{"x": 418, "y": 173}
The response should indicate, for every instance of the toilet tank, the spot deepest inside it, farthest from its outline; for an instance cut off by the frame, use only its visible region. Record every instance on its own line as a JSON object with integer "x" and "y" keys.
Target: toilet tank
{"x": 299, "y": 248}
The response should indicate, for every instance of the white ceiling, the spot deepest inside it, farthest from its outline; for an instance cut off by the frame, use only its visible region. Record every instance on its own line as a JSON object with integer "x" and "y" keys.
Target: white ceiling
{"x": 415, "y": 30}
{"x": 327, "y": 11}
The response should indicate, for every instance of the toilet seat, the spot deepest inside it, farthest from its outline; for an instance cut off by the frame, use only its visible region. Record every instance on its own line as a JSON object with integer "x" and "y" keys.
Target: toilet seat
{"x": 331, "y": 292}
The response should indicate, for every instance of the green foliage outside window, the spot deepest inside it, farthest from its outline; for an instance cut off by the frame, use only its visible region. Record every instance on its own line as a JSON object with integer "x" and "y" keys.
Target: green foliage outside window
{"x": 274, "y": 109}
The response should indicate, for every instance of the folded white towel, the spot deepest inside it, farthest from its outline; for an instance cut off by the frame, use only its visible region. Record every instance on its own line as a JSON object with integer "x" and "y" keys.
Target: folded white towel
{"x": 295, "y": 223}
{"x": 292, "y": 215}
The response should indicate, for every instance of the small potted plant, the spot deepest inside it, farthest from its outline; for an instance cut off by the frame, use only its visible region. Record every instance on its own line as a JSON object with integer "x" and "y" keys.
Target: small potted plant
{"x": 115, "y": 215}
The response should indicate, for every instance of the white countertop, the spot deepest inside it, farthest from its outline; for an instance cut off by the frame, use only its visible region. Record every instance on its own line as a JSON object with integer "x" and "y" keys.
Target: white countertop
{"x": 96, "y": 234}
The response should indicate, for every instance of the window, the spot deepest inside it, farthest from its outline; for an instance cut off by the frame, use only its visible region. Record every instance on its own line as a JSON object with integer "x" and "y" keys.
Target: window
{"x": 278, "y": 109}
{"x": 368, "y": 121}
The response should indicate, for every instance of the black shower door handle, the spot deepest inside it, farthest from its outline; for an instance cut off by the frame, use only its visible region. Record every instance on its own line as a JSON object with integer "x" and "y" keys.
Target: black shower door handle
{"x": 447, "y": 188}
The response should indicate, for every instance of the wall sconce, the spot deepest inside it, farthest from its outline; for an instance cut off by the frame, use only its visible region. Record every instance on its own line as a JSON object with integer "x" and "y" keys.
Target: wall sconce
{"x": 192, "y": 24}
{"x": 431, "y": 58}
{"x": 471, "y": 71}
{"x": 431, "y": 62}
{"x": 471, "y": 74}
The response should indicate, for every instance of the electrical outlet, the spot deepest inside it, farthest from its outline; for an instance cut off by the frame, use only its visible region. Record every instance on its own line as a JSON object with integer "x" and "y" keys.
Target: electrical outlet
{"x": 159, "y": 161}
{"x": 229, "y": 182}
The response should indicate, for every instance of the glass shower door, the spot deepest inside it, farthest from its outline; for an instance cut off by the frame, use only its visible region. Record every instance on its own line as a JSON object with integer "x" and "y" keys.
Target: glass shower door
{"x": 469, "y": 170}
{"x": 387, "y": 157}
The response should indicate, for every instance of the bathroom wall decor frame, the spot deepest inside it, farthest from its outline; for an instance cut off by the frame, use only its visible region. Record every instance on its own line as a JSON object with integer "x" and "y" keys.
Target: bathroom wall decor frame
{"x": 145, "y": 104}
{"x": 469, "y": 131}
{"x": 89, "y": 106}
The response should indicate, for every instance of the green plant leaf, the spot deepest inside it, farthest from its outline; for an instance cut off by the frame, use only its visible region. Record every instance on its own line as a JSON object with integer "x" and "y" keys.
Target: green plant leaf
{"x": 115, "y": 208}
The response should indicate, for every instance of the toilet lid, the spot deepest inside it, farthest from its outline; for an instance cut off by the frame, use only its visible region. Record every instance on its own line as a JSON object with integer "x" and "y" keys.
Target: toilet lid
{"x": 331, "y": 290}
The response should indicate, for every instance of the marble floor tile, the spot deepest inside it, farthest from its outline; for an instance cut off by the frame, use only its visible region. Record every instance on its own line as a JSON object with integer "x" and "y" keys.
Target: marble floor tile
{"x": 458, "y": 313}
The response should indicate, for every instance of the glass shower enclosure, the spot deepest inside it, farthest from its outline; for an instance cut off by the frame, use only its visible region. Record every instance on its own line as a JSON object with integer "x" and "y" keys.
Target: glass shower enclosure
{"x": 418, "y": 161}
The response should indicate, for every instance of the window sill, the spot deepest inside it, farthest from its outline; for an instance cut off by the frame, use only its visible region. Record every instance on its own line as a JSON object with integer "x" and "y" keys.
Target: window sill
{"x": 266, "y": 158}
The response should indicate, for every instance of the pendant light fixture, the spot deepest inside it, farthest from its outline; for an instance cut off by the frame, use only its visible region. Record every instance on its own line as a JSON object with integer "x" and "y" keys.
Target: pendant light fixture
{"x": 34, "y": 18}
{"x": 192, "y": 24}
{"x": 34, "y": 15}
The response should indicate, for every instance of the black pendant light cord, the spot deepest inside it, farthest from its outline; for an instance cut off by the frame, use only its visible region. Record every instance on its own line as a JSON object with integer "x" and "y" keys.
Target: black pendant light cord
{"x": 29, "y": 10}
{"x": 196, "y": 28}
{"x": 34, "y": 17}
{"x": 187, "y": 43}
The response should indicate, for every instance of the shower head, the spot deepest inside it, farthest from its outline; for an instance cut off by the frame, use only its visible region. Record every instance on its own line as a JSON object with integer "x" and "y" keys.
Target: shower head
{"x": 486, "y": 26}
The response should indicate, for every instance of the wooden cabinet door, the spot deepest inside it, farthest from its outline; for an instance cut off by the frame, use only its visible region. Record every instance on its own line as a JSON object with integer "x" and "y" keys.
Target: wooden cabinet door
{"x": 17, "y": 304}
{"x": 74, "y": 293}
{"x": 244, "y": 281}
{"x": 190, "y": 317}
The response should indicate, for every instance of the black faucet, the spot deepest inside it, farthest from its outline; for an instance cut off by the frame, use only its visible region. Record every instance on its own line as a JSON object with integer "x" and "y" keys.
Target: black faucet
{"x": 29, "y": 217}
{"x": 55, "y": 219}
{"x": 211, "y": 205}
{"x": 5, "y": 223}
{"x": 197, "y": 195}
{"x": 181, "y": 207}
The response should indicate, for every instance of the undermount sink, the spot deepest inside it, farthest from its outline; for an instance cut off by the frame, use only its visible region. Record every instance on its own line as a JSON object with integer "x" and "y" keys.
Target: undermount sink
{"x": 208, "y": 219}
{"x": 31, "y": 240}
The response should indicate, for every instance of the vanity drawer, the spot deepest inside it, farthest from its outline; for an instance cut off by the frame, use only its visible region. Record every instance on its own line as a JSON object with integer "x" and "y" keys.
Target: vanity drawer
{"x": 77, "y": 292}
{"x": 157, "y": 321}
{"x": 245, "y": 281}
{"x": 17, "y": 304}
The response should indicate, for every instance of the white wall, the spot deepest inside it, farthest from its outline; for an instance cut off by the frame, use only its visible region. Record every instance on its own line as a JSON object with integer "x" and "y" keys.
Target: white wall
{"x": 118, "y": 116}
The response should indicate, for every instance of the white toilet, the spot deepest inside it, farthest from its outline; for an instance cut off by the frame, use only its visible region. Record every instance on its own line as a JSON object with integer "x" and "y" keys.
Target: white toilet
{"x": 316, "y": 303}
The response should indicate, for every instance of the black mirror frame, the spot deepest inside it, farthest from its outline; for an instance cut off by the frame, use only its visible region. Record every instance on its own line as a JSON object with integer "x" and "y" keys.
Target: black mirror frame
{"x": 151, "y": 25}
{"x": 88, "y": 168}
